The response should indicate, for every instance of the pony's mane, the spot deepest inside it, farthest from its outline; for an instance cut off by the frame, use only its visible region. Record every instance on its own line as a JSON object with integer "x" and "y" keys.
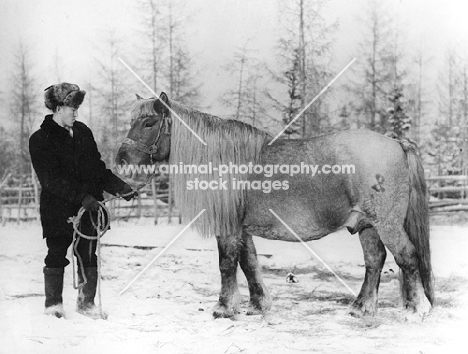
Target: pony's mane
{"x": 142, "y": 108}
{"x": 227, "y": 141}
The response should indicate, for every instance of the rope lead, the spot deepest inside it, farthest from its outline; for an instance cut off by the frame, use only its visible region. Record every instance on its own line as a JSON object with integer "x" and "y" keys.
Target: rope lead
{"x": 101, "y": 225}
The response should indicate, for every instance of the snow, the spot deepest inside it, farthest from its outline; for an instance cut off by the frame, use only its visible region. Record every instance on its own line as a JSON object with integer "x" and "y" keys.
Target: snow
{"x": 167, "y": 310}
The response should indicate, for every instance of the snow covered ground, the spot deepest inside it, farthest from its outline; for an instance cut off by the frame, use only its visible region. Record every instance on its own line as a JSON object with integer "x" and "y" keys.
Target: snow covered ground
{"x": 167, "y": 310}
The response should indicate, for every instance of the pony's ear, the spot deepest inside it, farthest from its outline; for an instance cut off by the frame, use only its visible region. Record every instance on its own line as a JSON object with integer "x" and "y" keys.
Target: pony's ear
{"x": 163, "y": 97}
{"x": 138, "y": 96}
{"x": 160, "y": 107}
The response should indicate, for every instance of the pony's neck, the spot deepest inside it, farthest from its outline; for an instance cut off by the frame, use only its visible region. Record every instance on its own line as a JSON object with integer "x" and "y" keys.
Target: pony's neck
{"x": 226, "y": 138}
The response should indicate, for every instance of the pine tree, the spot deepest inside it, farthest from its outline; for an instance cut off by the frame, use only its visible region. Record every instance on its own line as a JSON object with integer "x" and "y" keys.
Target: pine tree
{"x": 290, "y": 107}
{"x": 398, "y": 120}
{"x": 305, "y": 50}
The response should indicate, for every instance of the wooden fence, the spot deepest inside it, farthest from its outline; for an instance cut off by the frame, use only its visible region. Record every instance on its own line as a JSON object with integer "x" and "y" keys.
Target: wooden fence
{"x": 19, "y": 199}
{"x": 448, "y": 193}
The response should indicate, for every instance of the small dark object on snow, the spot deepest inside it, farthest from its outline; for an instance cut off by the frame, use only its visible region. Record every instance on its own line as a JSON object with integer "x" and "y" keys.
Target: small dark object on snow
{"x": 291, "y": 278}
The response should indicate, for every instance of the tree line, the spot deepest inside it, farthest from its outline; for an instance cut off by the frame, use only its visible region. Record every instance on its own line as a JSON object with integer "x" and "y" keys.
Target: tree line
{"x": 387, "y": 90}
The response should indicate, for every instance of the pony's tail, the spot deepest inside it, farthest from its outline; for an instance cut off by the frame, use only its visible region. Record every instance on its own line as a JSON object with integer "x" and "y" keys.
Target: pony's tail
{"x": 417, "y": 219}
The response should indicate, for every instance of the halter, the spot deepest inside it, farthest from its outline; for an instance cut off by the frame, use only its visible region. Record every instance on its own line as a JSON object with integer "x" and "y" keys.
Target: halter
{"x": 153, "y": 149}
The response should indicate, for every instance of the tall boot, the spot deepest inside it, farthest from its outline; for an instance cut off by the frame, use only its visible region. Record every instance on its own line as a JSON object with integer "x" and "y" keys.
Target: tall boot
{"x": 53, "y": 286}
{"x": 85, "y": 302}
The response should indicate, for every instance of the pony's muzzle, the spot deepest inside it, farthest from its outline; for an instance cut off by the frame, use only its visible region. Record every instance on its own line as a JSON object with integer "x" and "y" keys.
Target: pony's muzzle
{"x": 124, "y": 169}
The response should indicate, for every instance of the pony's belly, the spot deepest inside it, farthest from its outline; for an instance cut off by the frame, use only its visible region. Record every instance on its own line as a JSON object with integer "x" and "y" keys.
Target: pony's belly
{"x": 283, "y": 214}
{"x": 280, "y": 233}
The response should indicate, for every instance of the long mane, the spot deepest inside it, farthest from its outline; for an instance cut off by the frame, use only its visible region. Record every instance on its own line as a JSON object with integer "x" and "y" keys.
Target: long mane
{"x": 227, "y": 141}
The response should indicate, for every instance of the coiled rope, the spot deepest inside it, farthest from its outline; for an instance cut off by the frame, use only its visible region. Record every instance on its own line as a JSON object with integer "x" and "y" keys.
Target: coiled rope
{"x": 101, "y": 225}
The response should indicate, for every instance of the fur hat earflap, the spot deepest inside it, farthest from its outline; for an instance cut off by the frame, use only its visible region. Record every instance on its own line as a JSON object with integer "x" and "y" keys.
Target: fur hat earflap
{"x": 63, "y": 94}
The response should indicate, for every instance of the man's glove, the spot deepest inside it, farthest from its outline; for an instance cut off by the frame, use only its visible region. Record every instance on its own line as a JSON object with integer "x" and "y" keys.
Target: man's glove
{"x": 90, "y": 203}
{"x": 128, "y": 193}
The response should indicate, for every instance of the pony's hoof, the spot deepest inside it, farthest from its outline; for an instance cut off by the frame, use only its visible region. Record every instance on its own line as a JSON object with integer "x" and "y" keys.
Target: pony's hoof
{"x": 252, "y": 311}
{"x": 93, "y": 313}
{"x": 418, "y": 313}
{"x": 355, "y": 312}
{"x": 412, "y": 317}
{"x": 359, "y": 310}
{"x": 259, "y": 306}
{"x": 222, "y": 311}
{"x": 56, "y": 310}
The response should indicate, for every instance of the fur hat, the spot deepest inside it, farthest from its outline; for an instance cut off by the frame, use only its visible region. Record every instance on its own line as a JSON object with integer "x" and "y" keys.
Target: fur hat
{"x": 63, "y": 94}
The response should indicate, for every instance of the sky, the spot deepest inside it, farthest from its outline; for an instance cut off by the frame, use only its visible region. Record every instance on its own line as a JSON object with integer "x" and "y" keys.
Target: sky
{"x": 75, "y": 32}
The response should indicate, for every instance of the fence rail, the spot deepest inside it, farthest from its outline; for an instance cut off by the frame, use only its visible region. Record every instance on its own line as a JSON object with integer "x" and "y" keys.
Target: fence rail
{"x": 19, "y": 199}
{"x": 448, "y": 193}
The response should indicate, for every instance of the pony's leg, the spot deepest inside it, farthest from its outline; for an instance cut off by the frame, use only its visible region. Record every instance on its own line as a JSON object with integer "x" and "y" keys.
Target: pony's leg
{"x": 397, "y": 241}
{"x": 260, "y": 300}
{"x": 229, "y": 298}
{"x": 374, "y": 258}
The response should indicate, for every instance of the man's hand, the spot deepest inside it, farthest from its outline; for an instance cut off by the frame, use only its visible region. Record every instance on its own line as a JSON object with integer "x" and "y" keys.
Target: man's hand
{"x": 128, "y": 193}
{"x": 90, "y": 203}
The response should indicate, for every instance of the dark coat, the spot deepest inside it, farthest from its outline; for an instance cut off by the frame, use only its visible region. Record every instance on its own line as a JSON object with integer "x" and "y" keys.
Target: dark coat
{"x": 68, "y": 169}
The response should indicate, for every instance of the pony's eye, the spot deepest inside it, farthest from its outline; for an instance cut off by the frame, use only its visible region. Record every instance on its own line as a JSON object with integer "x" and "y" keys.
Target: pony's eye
{"x": 149, "y": 123}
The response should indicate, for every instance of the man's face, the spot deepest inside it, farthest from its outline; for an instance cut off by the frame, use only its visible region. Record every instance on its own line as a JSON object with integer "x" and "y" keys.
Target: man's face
{"x": 68, "y": 115}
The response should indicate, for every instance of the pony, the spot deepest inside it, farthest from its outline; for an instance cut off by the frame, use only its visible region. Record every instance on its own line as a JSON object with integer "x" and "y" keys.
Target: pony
{"x": 384, "y": 200}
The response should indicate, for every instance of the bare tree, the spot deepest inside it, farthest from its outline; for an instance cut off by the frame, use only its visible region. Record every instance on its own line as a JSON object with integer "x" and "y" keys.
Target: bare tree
{"x": 114, "y": 100}
{"x": 23, "y": 103}
{"x": 448, "y": 88}
{"x": 304, "y": 48}
{"x": 256, "y": 111}
{"x": 168, "y": 63}
{"x": 180, "y": 74}
{"x": 418, "y": 93}
{"x": 57, "y": 66}
{"x": 8, "y": 153}
{"x": 183, "y": 80}
{"x": 447, "y": 133}
{"x": 464, "y": 94}
{"x": 464, "y": 114}
{"x": 374, "y": 75}
{"x": 237, "y": 67}
{"x": 246, "y": 97}
{"x": 154, "y": 40}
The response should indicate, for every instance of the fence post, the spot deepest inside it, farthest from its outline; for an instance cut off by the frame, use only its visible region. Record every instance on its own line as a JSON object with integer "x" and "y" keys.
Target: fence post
{"x": 20, "y": 198}
{"x": 3, "y": 183}
{"x": 139, "y": 198}
{"x": 113, "y": 210}
{"x": 169, "y": 199}
{"x": 155, "y": 200}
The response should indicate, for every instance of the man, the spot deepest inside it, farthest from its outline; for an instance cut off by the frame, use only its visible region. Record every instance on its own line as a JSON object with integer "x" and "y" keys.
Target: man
{"x": 72, "y": 174}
